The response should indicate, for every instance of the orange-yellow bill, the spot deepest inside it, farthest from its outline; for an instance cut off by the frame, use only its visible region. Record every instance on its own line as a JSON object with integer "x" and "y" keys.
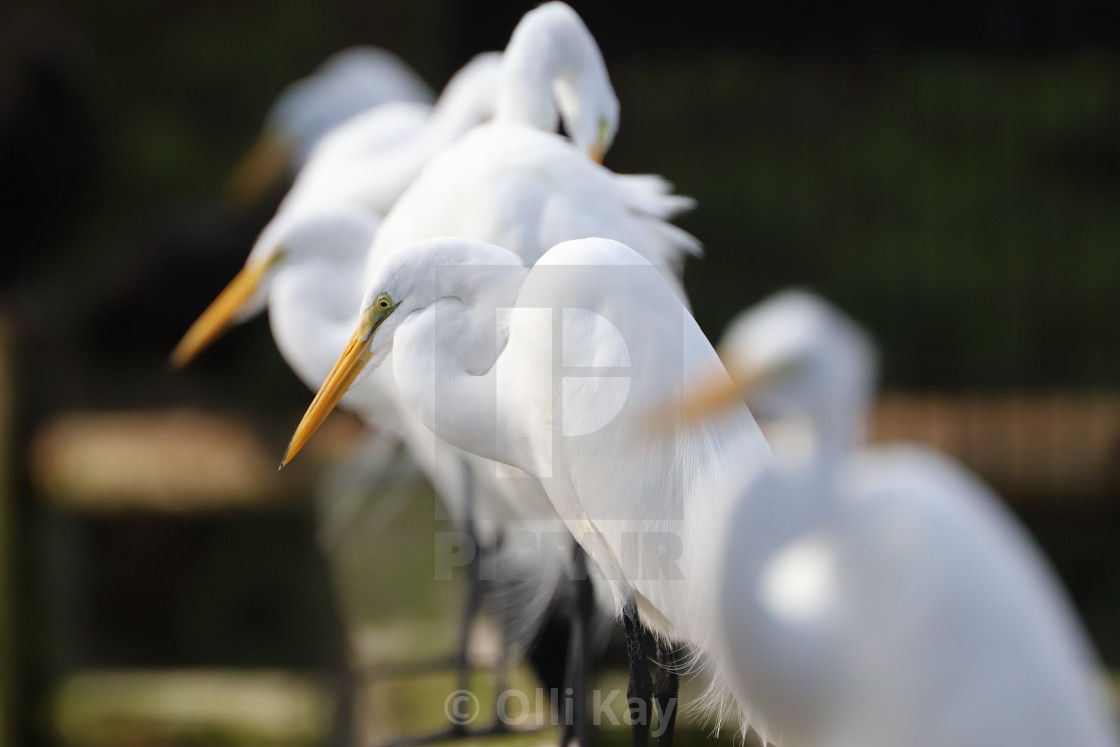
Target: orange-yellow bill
{"x": 704, "y": 396}
{"x": 259, "y": 169}
{"x": 219, "y": 314}
{"x": 338, "y": 381}
{"x": 597, "y": 153}
{"x": 714, "y": 393}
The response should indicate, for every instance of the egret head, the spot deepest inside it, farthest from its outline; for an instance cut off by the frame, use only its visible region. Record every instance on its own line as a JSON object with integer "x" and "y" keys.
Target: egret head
{"x": 552, "y": 66}
{"x": 590, "y": 112}
{"x": 348, "y": 82}
{"x": 409, "y": 280}
{"x": 293, "y": 237}
{"x": 794, "y": 353}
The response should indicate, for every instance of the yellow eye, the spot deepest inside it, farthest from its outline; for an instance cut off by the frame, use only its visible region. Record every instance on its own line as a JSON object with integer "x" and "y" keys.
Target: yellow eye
{"x": 383, "y": 301}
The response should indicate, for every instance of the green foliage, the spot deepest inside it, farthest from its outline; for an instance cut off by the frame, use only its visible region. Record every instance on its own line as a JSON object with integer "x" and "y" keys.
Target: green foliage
{"x": 963, "y": 208}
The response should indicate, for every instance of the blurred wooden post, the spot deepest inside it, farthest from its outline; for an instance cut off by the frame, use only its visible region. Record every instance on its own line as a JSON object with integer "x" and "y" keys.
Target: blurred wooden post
{"x": 113, "y": 477}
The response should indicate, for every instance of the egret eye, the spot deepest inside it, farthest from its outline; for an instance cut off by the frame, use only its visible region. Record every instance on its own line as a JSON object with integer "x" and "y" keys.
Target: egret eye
{"x": 383, "y": 301}
{"x": 604, "y": 131}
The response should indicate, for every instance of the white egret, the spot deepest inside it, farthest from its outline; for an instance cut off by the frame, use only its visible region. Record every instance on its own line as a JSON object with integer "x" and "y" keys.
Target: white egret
{"x": 306, "y": 265}
{"x": 515, "y": 183}
{"x": 588, "y": 340}
{"x": 346, "y": 83}
{"x": 303, "y": 268}
{"x": 561, "y": 194}
{"x": 880, "y": 596}
{"x": 312, "y": 252}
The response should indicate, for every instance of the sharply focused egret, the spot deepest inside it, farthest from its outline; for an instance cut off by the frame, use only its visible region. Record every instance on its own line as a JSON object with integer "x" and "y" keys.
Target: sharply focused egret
{"x": 553, "y": 370}
{"x": 346, "y": 83}
{"x": 515, "y": 182}
{"x": 880, "y": 596}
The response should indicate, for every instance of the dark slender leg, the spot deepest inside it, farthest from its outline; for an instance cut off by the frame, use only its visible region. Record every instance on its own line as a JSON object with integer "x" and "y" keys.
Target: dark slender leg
{"x": 665, "y": 689}
{"x": 639, "y": 693}
{"x": 578, "y": 672}
{"x": 501, "y": 668}
{"x": 472, "y": 602}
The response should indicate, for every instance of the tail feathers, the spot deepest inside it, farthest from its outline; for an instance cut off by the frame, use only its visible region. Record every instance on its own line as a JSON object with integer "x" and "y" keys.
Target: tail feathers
{"x": 681, "y": 241}
{"x": 718, "y": 706}
{"x": 651, "y": 196}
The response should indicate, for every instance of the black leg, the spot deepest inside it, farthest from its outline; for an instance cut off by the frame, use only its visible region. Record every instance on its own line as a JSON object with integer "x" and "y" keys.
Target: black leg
{"x": 578, "y": 672}
{"x": 639, "y": 693}
{"x": 666, "y": 686}
{"x": 585, "y": 606}
{"x": 472, "y": 602}
{"x": 501, "y": 668}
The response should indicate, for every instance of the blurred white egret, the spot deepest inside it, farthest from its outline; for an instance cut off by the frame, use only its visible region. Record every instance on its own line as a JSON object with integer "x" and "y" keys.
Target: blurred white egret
{"x": 600, "y": 312}
{"x": 313, "y": 250}
{"x": 515, "y": 183}
{"x": 880, "y": 596}
{"x": 373, "y": 157}
{"x": 346, "y": 83}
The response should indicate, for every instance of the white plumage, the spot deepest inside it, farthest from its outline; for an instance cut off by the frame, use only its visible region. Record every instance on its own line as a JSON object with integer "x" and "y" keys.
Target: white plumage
{"x": 882, "y": 596}
{"x": 589, "y": 341}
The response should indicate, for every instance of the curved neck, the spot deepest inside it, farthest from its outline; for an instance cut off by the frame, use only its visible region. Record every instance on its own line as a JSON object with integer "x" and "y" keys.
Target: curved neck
{"x": 839, "y": 428}
{"x": 549, "y": 51}
{"x": 837, "y": 431}
{"x": 446, "y": 361}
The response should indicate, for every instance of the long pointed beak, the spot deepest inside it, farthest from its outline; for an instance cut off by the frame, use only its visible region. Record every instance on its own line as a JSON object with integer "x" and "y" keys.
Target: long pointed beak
{"x": 338, "y": 381}
{"x": 219, "y": 314}
{"x": 258, "y": 170}
{"x": 706, "y": 395}
{"x": 714, "y": 394}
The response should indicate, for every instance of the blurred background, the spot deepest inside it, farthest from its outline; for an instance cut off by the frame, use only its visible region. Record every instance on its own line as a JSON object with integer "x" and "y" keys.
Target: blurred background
{"x": 948, "y": 173}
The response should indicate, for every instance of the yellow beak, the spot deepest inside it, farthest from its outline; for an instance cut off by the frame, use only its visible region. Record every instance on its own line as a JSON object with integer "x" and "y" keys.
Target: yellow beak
{"x": 708, "y": 394}
{"x": 219, "y": 314}
{"x": 597, "y": 153}
{"x": 259, "y": 169}
{"x": 716, "y": 392}
{"x": 346, "y": 369}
